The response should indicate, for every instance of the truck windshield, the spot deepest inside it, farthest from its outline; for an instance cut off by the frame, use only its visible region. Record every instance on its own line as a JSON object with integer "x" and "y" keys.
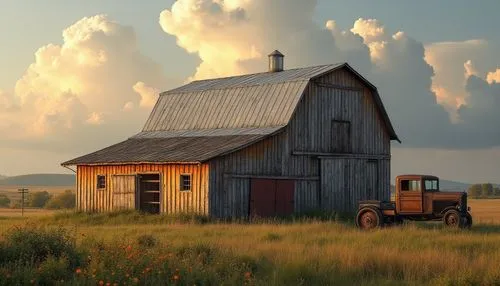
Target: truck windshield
{"x": 431, "y": 185}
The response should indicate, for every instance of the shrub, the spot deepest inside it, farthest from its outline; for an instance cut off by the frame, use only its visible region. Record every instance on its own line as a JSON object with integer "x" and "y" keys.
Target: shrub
{"x": 38, "y": 199}
{"x": 65, "y": 200}
{"x": 34, "y": 245}
{"x": 146, "y": 240}
{"x": 4, "y": 201}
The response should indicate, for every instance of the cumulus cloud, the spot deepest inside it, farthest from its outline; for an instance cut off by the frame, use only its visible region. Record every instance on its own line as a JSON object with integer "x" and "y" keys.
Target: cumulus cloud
{"x": 493, "y": 77}
{"x": 148, "y": 94}
{"x": 480, "y": 114}
{"x": 234, "y": 37}
{"x": 448, "y": 60}
{"x": 75, "y": 92}
{"x": 427, "y": 89}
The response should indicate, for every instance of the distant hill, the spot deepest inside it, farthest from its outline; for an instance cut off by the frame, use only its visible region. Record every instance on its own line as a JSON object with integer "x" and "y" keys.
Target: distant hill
{"x": 453, "y": 186}
{"x": 39, "y": 180}
{"x": 2, "y": 177}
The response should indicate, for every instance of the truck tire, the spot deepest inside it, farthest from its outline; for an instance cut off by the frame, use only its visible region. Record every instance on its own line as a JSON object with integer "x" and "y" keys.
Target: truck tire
{"x": 369, "y": 218}
{"x": 453, "y": 218}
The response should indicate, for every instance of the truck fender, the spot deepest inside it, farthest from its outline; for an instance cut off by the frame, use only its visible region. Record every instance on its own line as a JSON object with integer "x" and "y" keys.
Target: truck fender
{"x": 447, "y": 209}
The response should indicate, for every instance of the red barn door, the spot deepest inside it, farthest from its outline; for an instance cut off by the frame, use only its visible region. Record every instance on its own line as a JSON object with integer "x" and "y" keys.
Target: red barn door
{"x": 270, "y": 198}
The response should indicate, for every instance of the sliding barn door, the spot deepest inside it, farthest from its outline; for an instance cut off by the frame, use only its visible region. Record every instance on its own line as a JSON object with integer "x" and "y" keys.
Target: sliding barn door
{"x": 123, "y": 192}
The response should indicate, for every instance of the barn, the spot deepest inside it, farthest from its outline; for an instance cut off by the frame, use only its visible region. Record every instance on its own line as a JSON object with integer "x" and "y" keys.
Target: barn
{"x": 266, "y": 144}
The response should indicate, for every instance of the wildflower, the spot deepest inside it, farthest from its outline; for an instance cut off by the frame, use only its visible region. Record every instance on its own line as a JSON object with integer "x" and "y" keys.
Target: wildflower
{"x": 176, "y": 277}
{"x": 78, "y": 271}
{"x": 32, "y": 281}
{"x": 101, "y": 282}
{"x": 128, "y": 248}
{"x": 248, "y": 275}
{"x": 136, "y": 280}
{"x": 108, "y": 284}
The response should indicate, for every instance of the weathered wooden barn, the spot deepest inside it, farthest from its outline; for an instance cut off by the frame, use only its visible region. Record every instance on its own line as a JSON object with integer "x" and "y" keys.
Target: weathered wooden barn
{"x": 266, "y": 144}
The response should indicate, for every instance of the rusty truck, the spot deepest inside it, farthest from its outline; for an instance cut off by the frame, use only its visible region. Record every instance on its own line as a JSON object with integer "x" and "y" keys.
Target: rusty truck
{"x": 418, "y": 198}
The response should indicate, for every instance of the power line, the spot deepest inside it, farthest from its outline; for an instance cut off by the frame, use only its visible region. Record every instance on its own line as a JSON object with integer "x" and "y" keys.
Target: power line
{"x": 23, "y": 191}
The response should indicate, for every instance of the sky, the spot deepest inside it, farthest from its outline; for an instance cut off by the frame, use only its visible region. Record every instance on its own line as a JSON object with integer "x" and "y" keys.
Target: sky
{"x": 77, "y": 76}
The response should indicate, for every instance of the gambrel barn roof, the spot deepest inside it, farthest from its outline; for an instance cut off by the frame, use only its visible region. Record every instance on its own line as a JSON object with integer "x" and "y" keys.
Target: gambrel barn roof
{"x": 209, "y": 118}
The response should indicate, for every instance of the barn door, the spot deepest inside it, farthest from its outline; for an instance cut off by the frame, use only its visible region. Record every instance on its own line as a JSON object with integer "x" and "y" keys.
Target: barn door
{"x": 270, "y": 198}
{"x": 285, "y": 190}
{"x": 123, "y": 191}
{"x": 335, "y": 192}
{"x": 371, "y": 180}
{"x": 262, "y": 198}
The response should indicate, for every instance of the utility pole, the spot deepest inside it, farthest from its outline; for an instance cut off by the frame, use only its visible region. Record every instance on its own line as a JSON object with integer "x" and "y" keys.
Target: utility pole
{"x": 23, "y": 191}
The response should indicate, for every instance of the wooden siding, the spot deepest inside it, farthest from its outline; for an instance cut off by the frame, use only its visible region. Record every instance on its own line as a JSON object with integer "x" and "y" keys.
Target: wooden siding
{"x": 89, "y": 199}
{"x": 335, "y": 96}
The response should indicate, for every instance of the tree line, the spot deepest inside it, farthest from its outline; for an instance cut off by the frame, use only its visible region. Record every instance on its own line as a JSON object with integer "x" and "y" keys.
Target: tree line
{"x": 65, "y": 200}
{"x": 483, "y": 191}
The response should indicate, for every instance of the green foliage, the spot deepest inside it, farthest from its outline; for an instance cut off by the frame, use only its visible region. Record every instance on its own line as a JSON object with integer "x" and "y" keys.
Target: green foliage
{"x": 66, "y": 200}
{"x": 126, "y": 217}
{"x": 38, "y": 199}
{"x": 475, "y": 191}
{"x": 497, "y": 192}
{"x": 4, "y": 201}
{"x": 33, "y": 245}
{"x": 486, "y": 190}
{"x": 146, "y": 240}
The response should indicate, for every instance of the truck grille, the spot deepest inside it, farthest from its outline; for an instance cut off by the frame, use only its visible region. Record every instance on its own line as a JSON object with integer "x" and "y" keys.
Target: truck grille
{"x": 463, "y": 202}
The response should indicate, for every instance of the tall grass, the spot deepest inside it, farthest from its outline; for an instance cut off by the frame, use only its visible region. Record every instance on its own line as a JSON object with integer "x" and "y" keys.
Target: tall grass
{"x": 188, "y": 250}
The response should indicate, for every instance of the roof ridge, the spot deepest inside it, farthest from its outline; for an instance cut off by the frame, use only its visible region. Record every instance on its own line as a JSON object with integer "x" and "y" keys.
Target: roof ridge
{"x": 175, "y": 91}
{"x": 255, "y": 79}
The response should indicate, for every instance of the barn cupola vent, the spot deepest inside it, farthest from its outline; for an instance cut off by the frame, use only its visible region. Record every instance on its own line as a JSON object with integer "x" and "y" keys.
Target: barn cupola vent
{"x": 276, "y": 61}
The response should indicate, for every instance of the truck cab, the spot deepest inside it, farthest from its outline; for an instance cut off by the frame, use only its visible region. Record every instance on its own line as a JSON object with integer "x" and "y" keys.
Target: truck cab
{"x": 417, "y": 197}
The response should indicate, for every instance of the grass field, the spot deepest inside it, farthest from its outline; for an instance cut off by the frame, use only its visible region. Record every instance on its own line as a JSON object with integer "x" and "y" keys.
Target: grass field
{"x": 128, "y": 248}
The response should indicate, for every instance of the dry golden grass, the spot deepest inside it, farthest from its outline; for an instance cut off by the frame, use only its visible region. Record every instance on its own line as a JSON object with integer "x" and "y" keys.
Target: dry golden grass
{"x": 310, "y": 253}
{"x": 485, "y": 210}
{"x": 28, "y": 212}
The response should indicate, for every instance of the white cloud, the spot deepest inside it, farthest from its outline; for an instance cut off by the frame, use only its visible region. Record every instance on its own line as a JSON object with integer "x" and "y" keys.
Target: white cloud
{"x": 80, "y": 89}
{"x": 493, "y": 77}
{"x": 149, "y": 95}
{"x": 422, "y": 87}
{"x": 448, "y": 60}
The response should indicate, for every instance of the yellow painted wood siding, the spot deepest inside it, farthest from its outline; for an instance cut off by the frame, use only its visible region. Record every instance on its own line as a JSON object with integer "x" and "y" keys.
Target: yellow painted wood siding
{"x": 89, "y": 199}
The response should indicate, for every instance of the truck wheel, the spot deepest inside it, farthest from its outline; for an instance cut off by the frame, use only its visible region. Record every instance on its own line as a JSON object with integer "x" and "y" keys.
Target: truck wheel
{"x": 369, "y": 218}
{"x": 452, "y": 218}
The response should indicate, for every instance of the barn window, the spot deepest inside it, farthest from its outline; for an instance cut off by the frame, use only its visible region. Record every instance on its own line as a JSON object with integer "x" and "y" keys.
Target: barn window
{"x": 101, "y": 181}
{"x": 185, "y": 182}
{"x": 341, "y": 136}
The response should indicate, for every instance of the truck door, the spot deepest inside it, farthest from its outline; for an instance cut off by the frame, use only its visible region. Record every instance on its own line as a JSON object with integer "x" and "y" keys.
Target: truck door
{"x": 410, "y": 196}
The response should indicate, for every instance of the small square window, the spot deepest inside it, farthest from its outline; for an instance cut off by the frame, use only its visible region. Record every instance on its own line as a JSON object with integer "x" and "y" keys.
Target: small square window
{"x": 185, "y": 183}
{"x": 101, "y": 181}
